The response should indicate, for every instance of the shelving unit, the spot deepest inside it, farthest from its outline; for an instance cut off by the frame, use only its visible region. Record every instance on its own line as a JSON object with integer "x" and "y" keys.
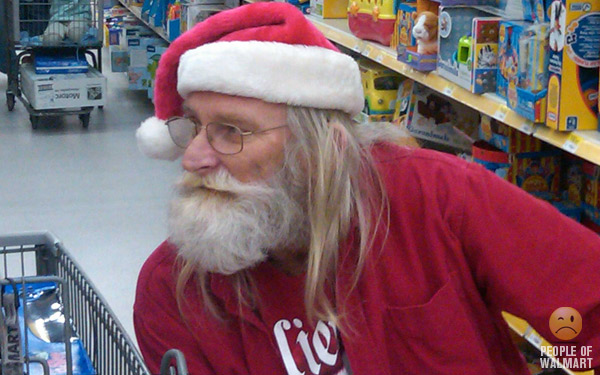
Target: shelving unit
{"x": 585, "y": 144}
{"x": 137, "y": 12}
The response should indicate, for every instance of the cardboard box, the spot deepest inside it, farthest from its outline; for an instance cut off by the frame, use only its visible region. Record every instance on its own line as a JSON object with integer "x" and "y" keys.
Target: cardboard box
{"x": 574, "y": 61}
{"x": 329, "y": 8}
{"x": 468, "y": 48}
{"x": 51, "y": 91}
{"x": 191, "y": 14}
{"x": 523, "y": 68}
{"x": 434, "y": 117}
{"x": 505, "y": 138}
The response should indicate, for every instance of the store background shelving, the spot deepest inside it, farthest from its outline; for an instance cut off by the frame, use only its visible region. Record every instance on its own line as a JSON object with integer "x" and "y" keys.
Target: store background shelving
{"x": 585, "y": 144}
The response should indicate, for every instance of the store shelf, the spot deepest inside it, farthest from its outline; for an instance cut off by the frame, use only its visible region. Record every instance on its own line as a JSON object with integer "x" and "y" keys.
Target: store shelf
{"x": 137, "y": 12}
{"x": 523, "y": 328}
{"x": 585, "y": 144}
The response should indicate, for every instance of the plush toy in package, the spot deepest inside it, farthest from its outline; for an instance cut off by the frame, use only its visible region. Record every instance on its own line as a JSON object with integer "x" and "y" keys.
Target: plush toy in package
{"x": 44, "y": 325}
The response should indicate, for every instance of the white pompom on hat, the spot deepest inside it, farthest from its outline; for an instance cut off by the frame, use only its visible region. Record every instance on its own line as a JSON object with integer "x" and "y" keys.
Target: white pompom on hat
{"x": 268, "y": 51}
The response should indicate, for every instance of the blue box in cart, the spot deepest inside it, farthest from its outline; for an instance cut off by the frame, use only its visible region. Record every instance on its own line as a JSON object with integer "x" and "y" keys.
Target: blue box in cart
{"x": 44, "y": 327}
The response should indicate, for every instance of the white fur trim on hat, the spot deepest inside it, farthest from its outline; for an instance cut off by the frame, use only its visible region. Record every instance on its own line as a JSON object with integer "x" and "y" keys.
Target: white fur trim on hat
{"x": 299, "y": 75}
{"x": 154, "y": 141}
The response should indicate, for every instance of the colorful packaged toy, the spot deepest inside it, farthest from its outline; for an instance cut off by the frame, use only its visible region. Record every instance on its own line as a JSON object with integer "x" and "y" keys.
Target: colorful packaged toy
{"x": 492, "y": 158}
{"x": 505, "y": 138}
{"x": 418, "y": 37}
{"x": 523, "y": 67}
{"x": 380, "y": 86}
{"x": 405, "y": 20}
{"x": 574, "y": 61}
{"x": 403, "y": 101}
{"x": 468, "y": 48}
{"x": 329, "y": 8}
{"x": 591, "y": 183}
{"x": 572, "y": 179}
{"x": 537, "y": 173}
{"x": 372, "y": 20}
{"x": 437, "y": 118}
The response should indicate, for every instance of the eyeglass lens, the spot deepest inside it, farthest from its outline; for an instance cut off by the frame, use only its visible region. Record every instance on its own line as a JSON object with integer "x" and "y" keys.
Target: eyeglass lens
{"x": 223, "y": 138}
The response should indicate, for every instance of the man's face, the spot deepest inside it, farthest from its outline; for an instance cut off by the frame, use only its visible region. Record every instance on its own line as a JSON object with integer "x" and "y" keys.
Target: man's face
{"x": 231, "y": 211}
{"x": 262, "y": 154}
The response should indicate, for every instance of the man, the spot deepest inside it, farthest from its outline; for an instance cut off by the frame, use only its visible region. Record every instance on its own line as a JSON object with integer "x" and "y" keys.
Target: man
{"x": 304, "y": 243}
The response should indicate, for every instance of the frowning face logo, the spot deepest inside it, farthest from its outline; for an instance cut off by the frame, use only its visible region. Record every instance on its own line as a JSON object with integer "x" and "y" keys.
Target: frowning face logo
{"x": 565, "y": 323}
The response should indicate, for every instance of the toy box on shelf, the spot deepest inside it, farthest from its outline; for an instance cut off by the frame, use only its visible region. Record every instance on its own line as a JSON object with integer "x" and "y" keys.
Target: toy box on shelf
{"x": 372, "y": 20}
{"x": 380, "y": 86}
{"x": 304, "y": 6}
{"x": 329, "y": 8}
{"x": 468, "y": 47}
{"x": 491, "y": 157}
{"x": 193, "y": 12}
{"x": 417, "y": 29}
{"x": 591, "y": 194}
{"x": 153, "y": 54}
{"x": 173, "y": 21}
{"x": 537, "y": 173}
{"x": 523, "y": 67}
{"x": 574, "y": 61}
{"x": 434, "y": 117}
{"x": 536, "y": 10}
{"x": 505, "y": 138}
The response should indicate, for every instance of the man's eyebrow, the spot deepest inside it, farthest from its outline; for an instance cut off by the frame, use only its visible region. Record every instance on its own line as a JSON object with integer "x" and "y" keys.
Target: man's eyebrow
{"x": 187, "y": 109}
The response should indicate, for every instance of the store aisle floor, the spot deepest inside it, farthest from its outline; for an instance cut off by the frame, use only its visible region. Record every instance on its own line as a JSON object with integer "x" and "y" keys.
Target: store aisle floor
{"x": 92, "y": 188}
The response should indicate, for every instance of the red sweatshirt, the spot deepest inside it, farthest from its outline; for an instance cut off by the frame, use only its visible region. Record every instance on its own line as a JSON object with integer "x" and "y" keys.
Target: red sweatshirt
{"x": 463, "y": 246}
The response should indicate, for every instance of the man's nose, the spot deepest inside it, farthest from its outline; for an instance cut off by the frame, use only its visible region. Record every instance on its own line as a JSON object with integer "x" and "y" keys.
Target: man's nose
{"x": 199, "y": 156}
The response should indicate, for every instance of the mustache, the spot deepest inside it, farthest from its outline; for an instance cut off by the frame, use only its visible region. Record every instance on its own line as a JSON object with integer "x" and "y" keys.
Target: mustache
{"x": 220, "y": 183}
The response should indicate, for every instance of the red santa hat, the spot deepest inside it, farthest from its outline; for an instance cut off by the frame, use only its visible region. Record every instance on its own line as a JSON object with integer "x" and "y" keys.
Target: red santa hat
{"x": 268, "y": 51}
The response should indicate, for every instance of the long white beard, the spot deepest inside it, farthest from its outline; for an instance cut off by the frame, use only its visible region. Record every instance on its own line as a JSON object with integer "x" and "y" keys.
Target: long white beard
{"x": 224, "y": 226}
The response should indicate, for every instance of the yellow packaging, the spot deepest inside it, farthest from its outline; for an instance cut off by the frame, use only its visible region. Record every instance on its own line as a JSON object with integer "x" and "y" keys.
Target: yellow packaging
{"x": 574, "y": 60}
{"x": 329, "y": 8}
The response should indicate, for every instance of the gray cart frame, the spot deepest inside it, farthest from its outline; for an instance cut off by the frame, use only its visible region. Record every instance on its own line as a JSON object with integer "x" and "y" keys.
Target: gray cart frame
{"x": 41, "y": 257}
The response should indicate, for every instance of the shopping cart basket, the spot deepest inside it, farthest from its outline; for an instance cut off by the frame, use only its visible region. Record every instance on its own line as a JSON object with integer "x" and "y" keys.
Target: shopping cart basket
{"x": 63, "y": 27}
{"x": 36, "y": 258}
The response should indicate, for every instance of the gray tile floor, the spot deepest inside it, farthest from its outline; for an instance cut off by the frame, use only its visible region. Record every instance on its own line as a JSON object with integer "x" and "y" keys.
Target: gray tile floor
{"x": 91, "y": 188}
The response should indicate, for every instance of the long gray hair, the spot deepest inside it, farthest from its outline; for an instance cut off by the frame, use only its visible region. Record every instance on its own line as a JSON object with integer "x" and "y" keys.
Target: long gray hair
{"x": 331, "y": 154}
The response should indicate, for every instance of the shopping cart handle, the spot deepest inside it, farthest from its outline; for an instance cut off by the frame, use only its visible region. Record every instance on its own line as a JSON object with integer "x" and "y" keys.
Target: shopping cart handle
{"x": 165, "y": 364}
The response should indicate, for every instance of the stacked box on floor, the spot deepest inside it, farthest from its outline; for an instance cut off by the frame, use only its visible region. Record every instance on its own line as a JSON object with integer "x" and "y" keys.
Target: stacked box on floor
{"x": 53, "y": 91}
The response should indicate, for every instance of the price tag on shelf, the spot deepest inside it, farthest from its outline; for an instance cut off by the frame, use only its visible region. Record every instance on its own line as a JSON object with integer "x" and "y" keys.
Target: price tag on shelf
{"x": 448, "y": 90}
{"x": 379, "y": 58}
{"x": 357, "y": 47}
{"x": 533, "y": 338}
{"x": 367, "y": 51}
{"x": 527, "y": 127}
{"x": 501, "y": 113}
{"x": 572, "y": 143}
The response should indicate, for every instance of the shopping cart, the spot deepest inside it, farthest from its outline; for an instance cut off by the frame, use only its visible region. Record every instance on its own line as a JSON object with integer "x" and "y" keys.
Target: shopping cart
{"x": 63, "y": 27}
{"x": 36, "y": 258}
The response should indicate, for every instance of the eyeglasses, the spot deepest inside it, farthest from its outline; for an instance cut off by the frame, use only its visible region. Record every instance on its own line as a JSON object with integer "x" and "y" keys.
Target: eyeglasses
{"x": 223, "y": 138}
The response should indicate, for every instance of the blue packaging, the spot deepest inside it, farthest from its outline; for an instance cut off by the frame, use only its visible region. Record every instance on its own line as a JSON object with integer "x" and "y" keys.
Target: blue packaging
{"x": 48, "y": 342}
